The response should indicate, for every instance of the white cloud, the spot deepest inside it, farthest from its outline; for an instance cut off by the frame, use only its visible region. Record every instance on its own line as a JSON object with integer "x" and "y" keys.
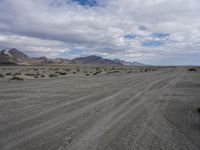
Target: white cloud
{"x": 34, "y": 46}
{"x": 52, "y": 27}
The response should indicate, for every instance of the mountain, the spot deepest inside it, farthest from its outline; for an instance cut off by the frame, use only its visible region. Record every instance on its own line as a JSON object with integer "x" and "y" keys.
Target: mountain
{"x": 126, "y": 63}
{"x": 60, "y": 61}
{"x": 95, "y": 60}
{"x": 14, "y": 56}
{"x": 17, "y": 54}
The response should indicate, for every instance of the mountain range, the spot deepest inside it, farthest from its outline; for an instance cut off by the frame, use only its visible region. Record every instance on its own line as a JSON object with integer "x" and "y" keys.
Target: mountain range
{"x": 15, "y": 57}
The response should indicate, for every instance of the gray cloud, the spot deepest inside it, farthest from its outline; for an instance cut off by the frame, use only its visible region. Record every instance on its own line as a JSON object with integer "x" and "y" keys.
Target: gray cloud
{"x": 56, "y": 27}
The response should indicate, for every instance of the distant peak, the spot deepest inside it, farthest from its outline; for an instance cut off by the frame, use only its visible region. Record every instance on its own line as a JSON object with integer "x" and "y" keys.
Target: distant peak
{"x": 91, "y": 56}
{"x": 14, "y": 50}
{"x": 43, "y": 57}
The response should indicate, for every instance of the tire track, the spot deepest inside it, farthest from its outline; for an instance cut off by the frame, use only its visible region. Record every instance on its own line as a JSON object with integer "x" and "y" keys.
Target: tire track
{"x": 88, "y": 140}
{"x": 110, "y": 120}
{"x": 36, "y": 130}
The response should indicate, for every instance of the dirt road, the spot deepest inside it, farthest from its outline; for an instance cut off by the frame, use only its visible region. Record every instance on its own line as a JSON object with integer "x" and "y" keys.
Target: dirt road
{"x": 144, "y": 111}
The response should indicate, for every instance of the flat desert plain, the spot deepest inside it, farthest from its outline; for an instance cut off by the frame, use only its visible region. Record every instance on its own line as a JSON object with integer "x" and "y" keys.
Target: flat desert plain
{"x": 132, "y": 110}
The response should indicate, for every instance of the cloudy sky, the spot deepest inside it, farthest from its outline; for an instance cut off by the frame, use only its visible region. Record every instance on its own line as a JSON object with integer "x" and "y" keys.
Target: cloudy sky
{"x": 162, "y": 32}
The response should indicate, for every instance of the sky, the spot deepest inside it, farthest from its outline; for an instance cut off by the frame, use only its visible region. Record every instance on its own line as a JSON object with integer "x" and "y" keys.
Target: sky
{"x": 156, "y": 32}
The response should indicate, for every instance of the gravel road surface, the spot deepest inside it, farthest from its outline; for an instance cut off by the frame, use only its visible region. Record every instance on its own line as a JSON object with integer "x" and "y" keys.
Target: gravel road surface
{"x": 144, "y": 111}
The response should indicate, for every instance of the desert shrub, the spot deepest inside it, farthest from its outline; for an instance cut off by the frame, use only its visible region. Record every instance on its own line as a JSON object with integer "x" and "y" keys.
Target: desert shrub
{"x": 36, "y": 76}
{"x": 61, "y": 73}
{"x": 1, "y": 75}
{"x": 153, "y": 70}
{"x": 17, "y": 74}
{"x": 56, "y": 69}
{"x": 130, "y": 72}
{"x": 17, "y": 78}
{"x": 42, "y": 76}
{"x": 29, "y": 74}
{"x": 8, "y": 74}
{"x": 98, "y": 70}
{"x": 74, "y": 72}
{"x": 114, "y": 71}
{"x": 67, "y": 69}
{"x": 192, "y": 69}
{"x": 53, "y": 75}
{"x": 96, "y": 73}
{"x": 87, "y": 74}
{"x": 198, "y": 109}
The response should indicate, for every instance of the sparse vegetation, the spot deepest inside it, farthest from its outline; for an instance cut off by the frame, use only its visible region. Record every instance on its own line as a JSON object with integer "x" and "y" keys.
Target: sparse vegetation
{"x": 192, "y": 69}
{"x": 114, "y": 71}
{"x": 42, "y": 76}
{"x": 17, "y": 78}
{"x": 1, "y": 75}
{"x": 61, "y": 73}
{"x": 53, "y": 75}
{"x": 32, "y": 72}
{"x": 130, "y": 72}
{"x": 67, "y": 69}
{"x": 198, "y": 109}
{"x": 29, "y": 74}
{"x": 96, "y": 73}
{"x": 85, "y": 71}
{"x": 98, "y": 70}
{"x": 8, "y": 74}
{"x": 17, "y": 74}
{"x": 37, "y": 76}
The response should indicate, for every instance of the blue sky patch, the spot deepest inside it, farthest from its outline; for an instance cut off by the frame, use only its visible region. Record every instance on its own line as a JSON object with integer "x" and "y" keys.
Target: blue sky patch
{"x": 160, "y": 35}
{"x": 74, "y": 53}
{"x": 152, "y": 43}
{"x": 90, "y": 3}
{"x": 130, "y": 36}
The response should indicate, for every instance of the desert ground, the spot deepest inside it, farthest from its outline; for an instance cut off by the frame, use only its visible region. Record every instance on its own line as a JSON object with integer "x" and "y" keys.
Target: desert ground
{"x": 99, "y": 108}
